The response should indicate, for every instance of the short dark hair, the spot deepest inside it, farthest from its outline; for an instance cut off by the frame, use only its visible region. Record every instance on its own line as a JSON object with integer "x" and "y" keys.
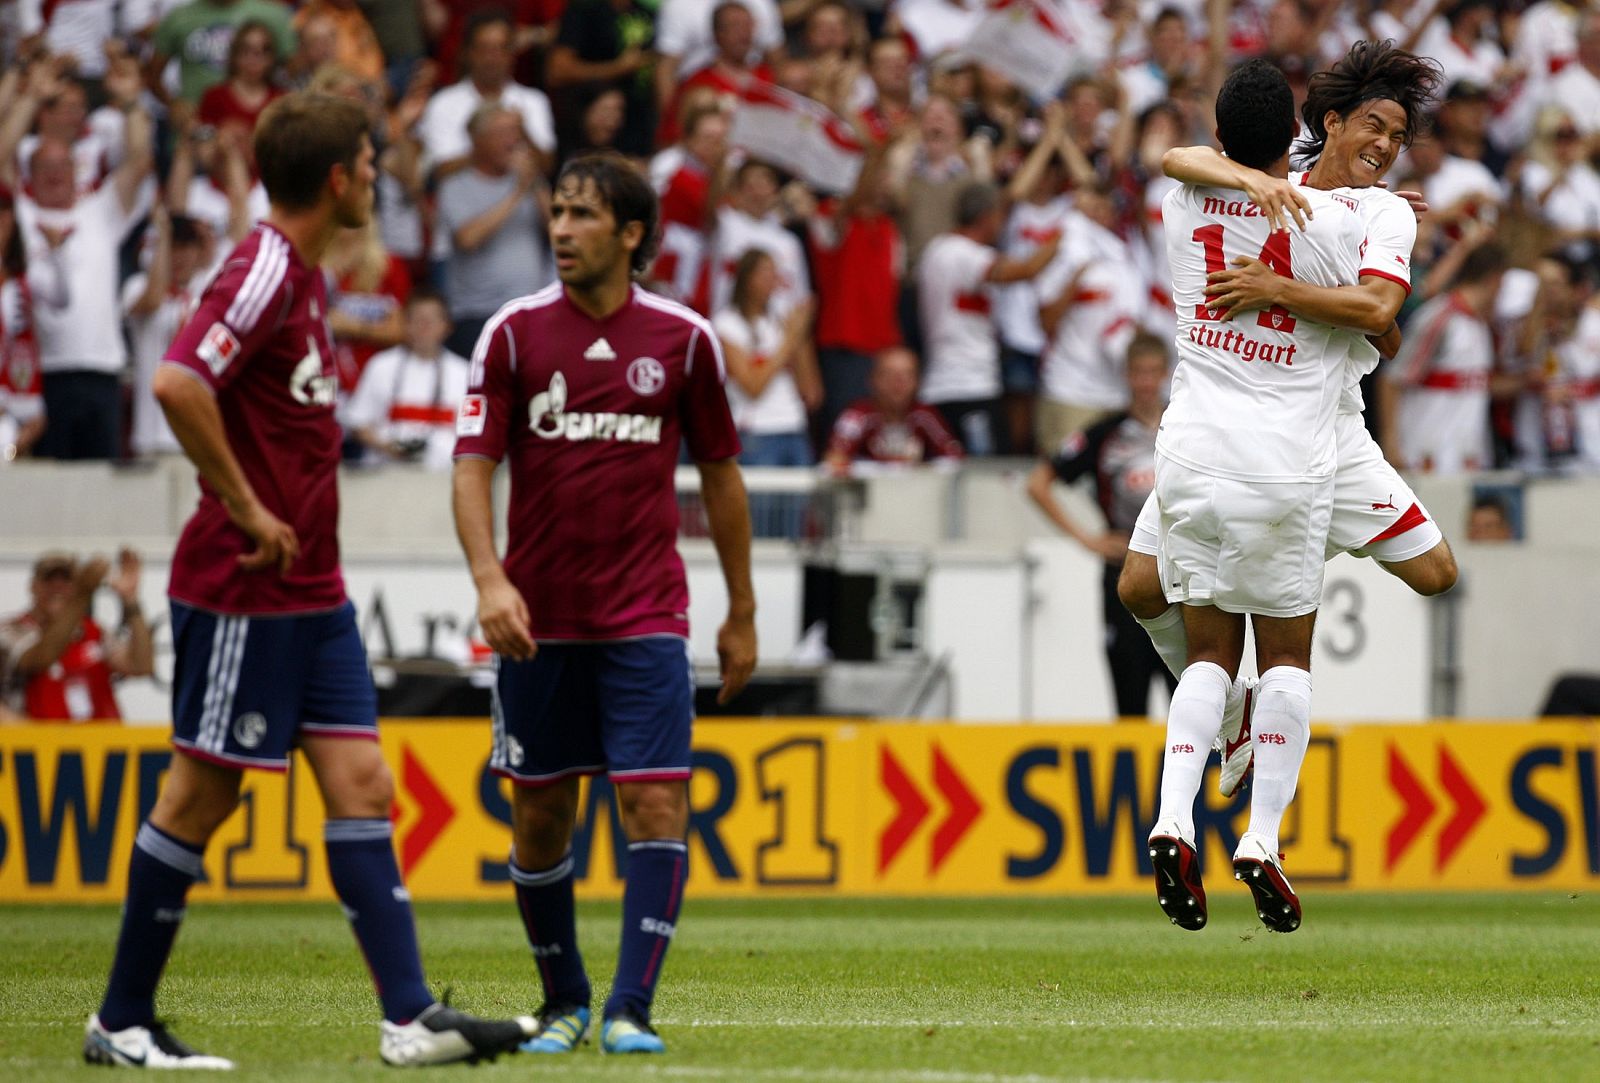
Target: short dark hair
{"x": 1255, "y": 114}
{"x": 716, "y": 12}
{"x": 625, "y": 190}
{"x": 300, "y": 138}
{"x": 1370, "y": 71}
{"x": 1483, "y": 262}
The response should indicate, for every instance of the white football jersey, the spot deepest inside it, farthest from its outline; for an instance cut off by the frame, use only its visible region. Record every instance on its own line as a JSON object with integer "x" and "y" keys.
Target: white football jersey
{"x": 1254, "y": 396}
{"x": 1391, "y": 230}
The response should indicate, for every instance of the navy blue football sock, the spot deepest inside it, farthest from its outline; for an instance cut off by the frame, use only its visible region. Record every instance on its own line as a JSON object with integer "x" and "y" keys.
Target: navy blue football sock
{"x": 367, "y": 880}
{"x": 657, "y": 869}
{"x": 159, "y": 875}
{"x": 544, "y": 899}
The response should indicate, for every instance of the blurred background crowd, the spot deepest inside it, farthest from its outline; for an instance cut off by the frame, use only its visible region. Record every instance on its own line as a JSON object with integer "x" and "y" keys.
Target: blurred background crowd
{"x": 959, "y": 265}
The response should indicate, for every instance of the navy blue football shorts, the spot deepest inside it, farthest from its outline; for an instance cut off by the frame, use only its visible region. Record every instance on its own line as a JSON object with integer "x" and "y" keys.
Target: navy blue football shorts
{"x": 622, "y": 707}
{"x": 246, "y": 689}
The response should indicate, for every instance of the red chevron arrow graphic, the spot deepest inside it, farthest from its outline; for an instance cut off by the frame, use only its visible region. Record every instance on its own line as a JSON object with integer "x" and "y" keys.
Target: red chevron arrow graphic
{"x": 434, "y": 811}
{"x": 1470, "y": 808}
{"x": 910, "y": 808}
{"x": 1419, "y": 808}
{"x": 964, "y": 810}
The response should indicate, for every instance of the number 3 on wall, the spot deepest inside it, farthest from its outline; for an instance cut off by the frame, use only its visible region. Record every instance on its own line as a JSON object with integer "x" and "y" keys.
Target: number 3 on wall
{"x": 1275, "y": 254}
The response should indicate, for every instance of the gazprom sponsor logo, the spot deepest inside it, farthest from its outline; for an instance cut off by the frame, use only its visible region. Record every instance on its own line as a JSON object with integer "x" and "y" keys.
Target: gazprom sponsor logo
{"x": 549, "y": 418}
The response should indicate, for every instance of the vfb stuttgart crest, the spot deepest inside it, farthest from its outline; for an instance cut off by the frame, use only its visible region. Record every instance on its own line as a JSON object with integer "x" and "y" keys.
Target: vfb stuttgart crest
{"x": 647, "y": 375}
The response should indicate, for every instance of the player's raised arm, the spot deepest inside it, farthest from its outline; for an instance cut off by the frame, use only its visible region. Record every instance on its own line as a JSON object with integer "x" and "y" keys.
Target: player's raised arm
{"x": 1278, "y": 199}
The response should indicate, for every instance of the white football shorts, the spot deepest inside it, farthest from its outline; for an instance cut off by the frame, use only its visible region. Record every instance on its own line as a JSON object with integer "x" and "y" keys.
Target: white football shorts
{"x": 1242, "y": 546}
{"x": 1375, "y": 513}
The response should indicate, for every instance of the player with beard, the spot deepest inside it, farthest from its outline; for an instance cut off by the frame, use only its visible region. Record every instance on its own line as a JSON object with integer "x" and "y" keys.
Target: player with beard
{"x": 587, "y": 389}
{"x": 1359, "y": 115}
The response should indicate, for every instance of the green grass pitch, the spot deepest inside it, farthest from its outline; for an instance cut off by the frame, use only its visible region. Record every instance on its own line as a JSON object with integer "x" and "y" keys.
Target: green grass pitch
{"x": 1414, "y": 988}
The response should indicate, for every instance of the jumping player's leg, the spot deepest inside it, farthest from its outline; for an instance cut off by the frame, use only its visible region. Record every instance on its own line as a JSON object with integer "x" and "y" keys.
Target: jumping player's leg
{"x": 1281, "y": 733}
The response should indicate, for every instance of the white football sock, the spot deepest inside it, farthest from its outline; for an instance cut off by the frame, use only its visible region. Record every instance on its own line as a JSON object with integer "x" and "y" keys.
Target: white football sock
{"x": 1169, "y": 638}
{"x": 1281, "y": 729}
{"x": 1192, "y": 724}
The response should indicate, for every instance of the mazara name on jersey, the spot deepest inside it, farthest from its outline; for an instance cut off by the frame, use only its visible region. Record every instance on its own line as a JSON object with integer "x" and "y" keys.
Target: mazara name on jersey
{"x": 1243, "y": 208}
{"x": 1236, "y": 342}
{"x": 548, "y": 417}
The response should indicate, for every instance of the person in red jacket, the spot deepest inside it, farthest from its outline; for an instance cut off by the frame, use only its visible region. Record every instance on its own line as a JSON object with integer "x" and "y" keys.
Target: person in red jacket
{"x": 56, "y": 663}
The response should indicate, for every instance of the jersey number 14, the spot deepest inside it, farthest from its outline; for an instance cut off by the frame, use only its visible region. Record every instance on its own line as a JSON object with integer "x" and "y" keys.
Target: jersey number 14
{"x": 1275, "y": 254}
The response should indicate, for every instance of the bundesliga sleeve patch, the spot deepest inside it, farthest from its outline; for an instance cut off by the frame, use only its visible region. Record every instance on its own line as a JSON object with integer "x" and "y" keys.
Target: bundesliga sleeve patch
{"x": 469, "y": 420}
{"x": 218, "y": 348}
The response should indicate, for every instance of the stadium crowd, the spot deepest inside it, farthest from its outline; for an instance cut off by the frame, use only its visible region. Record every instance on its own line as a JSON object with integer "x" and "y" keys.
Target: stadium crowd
{"x": 1008, "y": 242}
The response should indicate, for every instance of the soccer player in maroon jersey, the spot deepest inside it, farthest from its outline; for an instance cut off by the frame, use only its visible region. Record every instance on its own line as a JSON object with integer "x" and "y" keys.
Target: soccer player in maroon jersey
{"x": 268, "y": 656}
{"x": 587, "y": 388}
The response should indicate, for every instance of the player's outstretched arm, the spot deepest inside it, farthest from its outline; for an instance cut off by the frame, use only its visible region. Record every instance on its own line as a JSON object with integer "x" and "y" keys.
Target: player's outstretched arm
{"x": 191, "y": 410}
{"x": 1278, "y": 199}
{"x": 502, "y": 611}
{"x": 728, "y": 515}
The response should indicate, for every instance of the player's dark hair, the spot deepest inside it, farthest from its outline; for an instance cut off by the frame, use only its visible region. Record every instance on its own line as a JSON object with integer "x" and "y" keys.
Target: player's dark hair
{"x": 299, "y": 139}
{"x": 624, "y": 190}
{"x": 1255, "y": 114}
{"x": 1370, "y": 71}
{"x": 1483, "y": 262}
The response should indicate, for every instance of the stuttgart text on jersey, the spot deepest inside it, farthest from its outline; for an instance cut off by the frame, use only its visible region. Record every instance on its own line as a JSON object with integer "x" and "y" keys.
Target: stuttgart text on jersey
{"x": 1231, "y": 340}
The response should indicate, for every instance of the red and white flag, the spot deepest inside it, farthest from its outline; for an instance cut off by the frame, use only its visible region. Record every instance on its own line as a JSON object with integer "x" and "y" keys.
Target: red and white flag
{"x": 1031, "y": 41}
{"x": 797, "y": 135}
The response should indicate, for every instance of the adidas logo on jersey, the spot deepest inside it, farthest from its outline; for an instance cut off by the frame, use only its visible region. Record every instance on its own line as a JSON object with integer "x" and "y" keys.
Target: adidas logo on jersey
{"x": 599, "y": 350}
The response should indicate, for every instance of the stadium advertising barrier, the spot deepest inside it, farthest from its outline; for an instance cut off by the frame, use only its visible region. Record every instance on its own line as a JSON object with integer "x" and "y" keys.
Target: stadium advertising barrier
{"x": 854, "y": 809}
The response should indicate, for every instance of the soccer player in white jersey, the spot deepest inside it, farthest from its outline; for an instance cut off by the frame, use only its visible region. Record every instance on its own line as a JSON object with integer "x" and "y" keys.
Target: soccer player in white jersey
{"x": 1359, "y": 114}
{"x": 1244, "y": 482}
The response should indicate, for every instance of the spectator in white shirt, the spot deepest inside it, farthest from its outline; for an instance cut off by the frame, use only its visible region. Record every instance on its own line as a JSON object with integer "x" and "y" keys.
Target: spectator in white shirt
{"x": 772, "y": 367}
{"x": 1559, "y": 186}
{"x": 404, "y": 408}
{"x": 487, "y": 46}
{"x": 960, "y": 348}
{"x": 1577, "y": 88}
{"x": 81, "y": 351}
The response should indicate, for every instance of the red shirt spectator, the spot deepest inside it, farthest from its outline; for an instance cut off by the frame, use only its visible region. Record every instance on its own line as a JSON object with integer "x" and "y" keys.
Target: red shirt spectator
{"x": 891, "y": 426}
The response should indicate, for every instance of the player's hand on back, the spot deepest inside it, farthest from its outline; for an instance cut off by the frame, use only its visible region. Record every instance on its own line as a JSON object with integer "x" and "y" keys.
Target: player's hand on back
{"x": 276, "y": 542}
{"x": 503, "y": 616}
{"x": 1248, "y": 284}
{"x": 1279, "y": 200}
{"x": 736, "y": 651}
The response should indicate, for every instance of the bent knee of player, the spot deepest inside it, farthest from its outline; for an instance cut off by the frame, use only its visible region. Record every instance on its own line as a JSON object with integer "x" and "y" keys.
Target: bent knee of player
{"x": 1431, "y": 574}
{"x": 654, "y": 810}
{"x": 1139, "y": 586}
{"x": 358, "y": 784}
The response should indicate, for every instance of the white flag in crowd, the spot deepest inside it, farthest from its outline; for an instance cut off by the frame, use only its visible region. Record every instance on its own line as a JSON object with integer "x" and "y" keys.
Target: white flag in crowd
{"x": 1036, "y": 43}
{"x": 797, "y": 135}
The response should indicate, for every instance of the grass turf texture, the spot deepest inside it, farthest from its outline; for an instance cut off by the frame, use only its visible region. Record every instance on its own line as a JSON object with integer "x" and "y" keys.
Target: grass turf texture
{"x": 1417, "y": 988}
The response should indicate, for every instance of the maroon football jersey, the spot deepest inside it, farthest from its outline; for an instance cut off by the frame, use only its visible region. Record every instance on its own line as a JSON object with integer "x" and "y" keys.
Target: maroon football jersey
{"x": 590, "y": 414}
{"x": 260, "y": 342}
